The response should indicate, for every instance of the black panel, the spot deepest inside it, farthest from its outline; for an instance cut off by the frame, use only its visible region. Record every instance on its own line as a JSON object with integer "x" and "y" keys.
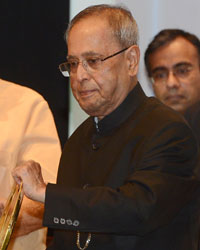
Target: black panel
{"x": 32, "y": 46}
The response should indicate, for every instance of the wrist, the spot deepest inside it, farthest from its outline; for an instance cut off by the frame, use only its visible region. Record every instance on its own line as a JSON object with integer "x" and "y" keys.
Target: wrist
{"x": 40, "y": 194}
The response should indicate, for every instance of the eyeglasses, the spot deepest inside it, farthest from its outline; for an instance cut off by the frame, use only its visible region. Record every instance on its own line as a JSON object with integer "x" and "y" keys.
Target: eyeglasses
{"x": 180, "y": 71}
{"x": 90, "y": 64}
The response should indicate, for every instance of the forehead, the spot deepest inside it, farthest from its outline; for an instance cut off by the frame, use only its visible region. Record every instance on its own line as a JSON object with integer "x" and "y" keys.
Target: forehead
{"x": 90, "y": 34}
{"x": 178, "y": 51}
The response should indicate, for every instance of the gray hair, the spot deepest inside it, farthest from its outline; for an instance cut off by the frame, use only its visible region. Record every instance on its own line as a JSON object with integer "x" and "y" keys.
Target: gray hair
{"x": 119, "y": 18}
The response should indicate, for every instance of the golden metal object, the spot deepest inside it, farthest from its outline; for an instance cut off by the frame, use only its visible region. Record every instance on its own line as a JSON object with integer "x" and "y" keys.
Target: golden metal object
{"x": 86, "y": 243}
{"x": 9, "y": 215}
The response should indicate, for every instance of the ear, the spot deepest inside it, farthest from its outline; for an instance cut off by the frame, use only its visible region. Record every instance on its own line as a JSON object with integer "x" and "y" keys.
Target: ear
{"x": 133, "y": 58}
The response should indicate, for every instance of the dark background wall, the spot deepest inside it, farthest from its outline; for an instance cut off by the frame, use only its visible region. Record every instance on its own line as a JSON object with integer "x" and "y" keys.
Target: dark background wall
{"x": 31, "y": 48}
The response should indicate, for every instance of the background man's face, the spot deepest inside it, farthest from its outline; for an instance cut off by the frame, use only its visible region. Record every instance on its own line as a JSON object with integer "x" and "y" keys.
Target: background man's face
{"x": 99, "y": 92}
{"x": 177, "y": 92}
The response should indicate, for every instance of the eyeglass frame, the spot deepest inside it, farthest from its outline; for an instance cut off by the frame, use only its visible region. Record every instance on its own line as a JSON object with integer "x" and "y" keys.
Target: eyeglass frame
{"x": 85, "y": 64}
{"x": 173, "y": 71}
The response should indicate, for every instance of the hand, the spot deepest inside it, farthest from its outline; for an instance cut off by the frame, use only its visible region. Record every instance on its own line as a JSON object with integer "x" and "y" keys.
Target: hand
{"x": 29, "y": 172}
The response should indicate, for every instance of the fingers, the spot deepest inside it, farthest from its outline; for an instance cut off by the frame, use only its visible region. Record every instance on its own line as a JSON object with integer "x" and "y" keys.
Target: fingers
{"x": 29, "y": 172}
{"x": 1, "y": 208}
{"x": 2, "y": 205}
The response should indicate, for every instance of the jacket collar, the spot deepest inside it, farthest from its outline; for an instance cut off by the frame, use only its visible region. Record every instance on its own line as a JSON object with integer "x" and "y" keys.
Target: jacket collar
{"x": 122, "y": 112}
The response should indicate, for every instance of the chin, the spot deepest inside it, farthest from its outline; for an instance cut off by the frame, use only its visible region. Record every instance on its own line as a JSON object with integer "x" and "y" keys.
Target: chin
{"x": 89, "y": 109}
{"x": 178, "y": 108}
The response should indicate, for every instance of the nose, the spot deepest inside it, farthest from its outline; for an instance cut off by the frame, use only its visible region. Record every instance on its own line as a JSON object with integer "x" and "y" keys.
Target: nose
{"x": 81, "y": 72}
{"x": 172, "y": 81}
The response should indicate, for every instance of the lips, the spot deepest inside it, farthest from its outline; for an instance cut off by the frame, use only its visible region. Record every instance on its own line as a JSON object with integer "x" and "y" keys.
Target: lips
{"x": 87, "y": 93}
{"x": 174, "y": 98}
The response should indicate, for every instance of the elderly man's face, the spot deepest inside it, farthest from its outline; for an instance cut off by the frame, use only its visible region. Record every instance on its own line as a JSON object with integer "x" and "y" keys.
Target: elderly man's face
{"x": 98, "y": 91}
{"x": 176, "y": 73}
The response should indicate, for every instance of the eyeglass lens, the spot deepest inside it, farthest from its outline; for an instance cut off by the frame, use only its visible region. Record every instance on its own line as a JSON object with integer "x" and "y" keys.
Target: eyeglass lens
{"x": 180, "y": 71}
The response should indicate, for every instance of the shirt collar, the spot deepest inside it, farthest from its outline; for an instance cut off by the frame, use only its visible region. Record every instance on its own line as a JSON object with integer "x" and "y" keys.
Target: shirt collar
{"x": 122, "y": 112}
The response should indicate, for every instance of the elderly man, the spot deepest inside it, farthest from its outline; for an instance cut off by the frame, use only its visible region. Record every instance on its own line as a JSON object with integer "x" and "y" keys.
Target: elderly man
{"x": 126, "y": 174}
{"x": 173, "y": 63}
{"x": 28, "y": 132}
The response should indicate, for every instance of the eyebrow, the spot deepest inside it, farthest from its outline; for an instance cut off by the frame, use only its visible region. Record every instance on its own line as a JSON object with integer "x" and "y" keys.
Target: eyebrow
{"x": 158, "y": 69}
{"x": 86, "y": 54}
{"x": 182, "y": 64}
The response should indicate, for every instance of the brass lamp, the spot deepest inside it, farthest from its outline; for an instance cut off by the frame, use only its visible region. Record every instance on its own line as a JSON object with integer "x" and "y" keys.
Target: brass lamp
{"x": 9, "y": 215}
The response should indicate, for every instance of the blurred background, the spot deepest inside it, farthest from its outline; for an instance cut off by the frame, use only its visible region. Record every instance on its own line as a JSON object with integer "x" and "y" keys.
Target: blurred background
{"x": 31, "y": 48}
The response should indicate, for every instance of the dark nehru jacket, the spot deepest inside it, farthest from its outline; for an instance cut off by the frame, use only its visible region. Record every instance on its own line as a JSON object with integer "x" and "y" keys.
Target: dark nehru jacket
{"x": 128, "y": 180}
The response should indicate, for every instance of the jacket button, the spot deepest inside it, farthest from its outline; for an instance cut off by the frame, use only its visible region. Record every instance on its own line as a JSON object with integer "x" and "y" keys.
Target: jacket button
{"x": 76, "y": 223}
{"x": 56, "y": 220}
{"x": 69, "y": 222}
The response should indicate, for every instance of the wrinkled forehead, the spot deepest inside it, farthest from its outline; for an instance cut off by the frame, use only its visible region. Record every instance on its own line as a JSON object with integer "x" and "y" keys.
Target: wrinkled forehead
{"x": 90, "y": 34}
{"x": 90, "y": 26}
{"x": 172, "y": 54}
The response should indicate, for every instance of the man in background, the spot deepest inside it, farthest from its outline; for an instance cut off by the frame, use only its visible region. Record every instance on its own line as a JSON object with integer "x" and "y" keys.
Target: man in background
{"x": 27, "y": 132}
{"x": 172, "y": 62}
